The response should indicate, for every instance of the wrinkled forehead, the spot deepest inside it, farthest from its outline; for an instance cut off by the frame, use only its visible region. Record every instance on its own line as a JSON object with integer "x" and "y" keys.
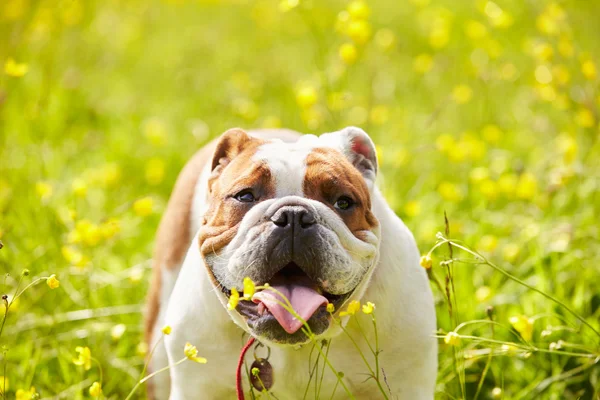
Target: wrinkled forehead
{"x": 287, "y": 163}
{"x": 290, "y": 164}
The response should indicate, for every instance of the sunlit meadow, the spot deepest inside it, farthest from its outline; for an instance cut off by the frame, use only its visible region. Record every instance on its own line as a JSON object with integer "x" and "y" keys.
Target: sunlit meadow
{"x": 485, "y": 110}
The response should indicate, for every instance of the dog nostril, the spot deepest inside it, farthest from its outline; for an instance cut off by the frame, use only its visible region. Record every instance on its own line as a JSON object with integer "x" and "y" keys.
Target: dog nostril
{"x": 306, "y": 219}
{"x": 281, "y": 219}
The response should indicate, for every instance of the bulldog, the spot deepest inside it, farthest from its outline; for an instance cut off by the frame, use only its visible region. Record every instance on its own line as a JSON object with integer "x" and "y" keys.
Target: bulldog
{"x": 302, "y": 213}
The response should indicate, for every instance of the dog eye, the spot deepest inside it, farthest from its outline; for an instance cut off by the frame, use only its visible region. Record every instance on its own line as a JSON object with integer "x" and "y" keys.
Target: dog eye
{"x": 245, "y": 196}
{"x": 344, "y": 203}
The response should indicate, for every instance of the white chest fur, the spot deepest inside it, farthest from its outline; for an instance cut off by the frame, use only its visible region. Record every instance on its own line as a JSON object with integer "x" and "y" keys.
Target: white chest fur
{"x": 406, "y": 322}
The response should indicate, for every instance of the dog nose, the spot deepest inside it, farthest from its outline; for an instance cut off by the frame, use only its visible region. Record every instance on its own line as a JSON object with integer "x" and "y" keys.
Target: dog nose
{"x": 293, "y": 216}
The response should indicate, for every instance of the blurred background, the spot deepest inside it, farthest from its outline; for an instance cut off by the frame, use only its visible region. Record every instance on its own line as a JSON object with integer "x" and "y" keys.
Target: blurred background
{"x": 487, "y": 110}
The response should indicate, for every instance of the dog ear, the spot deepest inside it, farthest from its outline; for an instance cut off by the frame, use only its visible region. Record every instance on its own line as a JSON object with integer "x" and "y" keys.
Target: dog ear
{"x": 358, "y": 147}
{"x": 230, "y": 145}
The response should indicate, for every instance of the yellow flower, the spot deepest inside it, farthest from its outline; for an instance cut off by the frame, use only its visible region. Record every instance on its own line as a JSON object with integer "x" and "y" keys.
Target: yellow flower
{"x": 462, "y": 94}
{"x": 306, "y": 96}
{"x": 287, "y": 5}
{"x": 155, "y": 131}
{"x": 412, "y": 208}
{"x": 330, "y": 308}
{"x": 588, "y": 69}
{"x": 12, "y": 68}
{"x": 143, "y": 207}
{"x": 358, "y": 10}
{"x": 561, "y": 73}
{"x": 79, "y": 187}
{"x": 166, "y": 329}
{"x": 507, "y": 183}
{"x": 423, "y": 63}
{"x": 352, "y": 309}
{"x": 249, "y": 288}
{"x": 368, "y": 308}
{"x": 565, "y": 47}
{"x": 475, "y": 30}
{"x": 527, "y": 186}
{"x": 489, "y": 189}
{"x": 110, "y": 228}
{"x": 74, "y": 256}
{"x": 110, "y": 174}
{"x": 234, "y": 299}
{"x": 452, "y": 339}
{"x": 359, "y": 31}
{"x": 155, "y": 171}
{"x": 439, "y": 37}
{"x": 52, "y": 282}
{"x": 585, "y": 118}
{"x": 191, "y": 352}
{"x": 543, "y": 51}
{"x": 523, "y": 325}
{"x": 567, "y": 145}
{"x": 426, "y": 261}
{"x": 348, "y": 53}
{"x": 23, "y": 394}
{"x": 86, "y": 232}
{"x": 96, "y": 389}
{"x": 43, "y": 190}
{"x": 450, "y": 192}
{"x": 492, "y": 133}
{"x": 84, "y": 357}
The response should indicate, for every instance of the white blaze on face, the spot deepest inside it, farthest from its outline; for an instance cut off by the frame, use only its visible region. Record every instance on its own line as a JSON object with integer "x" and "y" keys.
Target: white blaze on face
{"x": 287, "y": 163}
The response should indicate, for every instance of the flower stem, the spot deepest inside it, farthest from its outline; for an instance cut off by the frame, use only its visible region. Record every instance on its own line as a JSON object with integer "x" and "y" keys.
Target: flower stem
{"x": 135, "y": 388}
{"x": 519, "y": 281}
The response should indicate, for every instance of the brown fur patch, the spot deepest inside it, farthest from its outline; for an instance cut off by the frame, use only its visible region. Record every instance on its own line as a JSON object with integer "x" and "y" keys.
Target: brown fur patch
{"x": 330, "y": 175}
{"x": 225, "y": 212}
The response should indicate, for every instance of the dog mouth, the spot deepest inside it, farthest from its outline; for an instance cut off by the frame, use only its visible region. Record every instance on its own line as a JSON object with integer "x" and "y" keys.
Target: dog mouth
{"x": 268, "y": 314}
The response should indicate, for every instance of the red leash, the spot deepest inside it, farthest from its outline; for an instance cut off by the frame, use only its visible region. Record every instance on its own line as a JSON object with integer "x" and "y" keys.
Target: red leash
{"x": 238, "y": 373}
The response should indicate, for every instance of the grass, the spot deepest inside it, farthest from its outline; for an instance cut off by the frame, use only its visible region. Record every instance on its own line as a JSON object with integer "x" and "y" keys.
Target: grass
{"x": 487, "y": 111}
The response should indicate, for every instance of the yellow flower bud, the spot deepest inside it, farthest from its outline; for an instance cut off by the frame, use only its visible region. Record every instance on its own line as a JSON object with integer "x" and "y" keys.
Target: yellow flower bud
{"x": 368, "y": 308}
{"x": 352, "y": 309}
{"x": 426, "y": 261}
{"x": 95, "y": 389}
{"x": 249, "y": 288}
{"x": 348, "y": 53}
{"x": 359, "y": 10}
{"x": 14, "y": 69}
{"x": 52, "y": 282}
{"x": 166, "y": 329}
{"x": 234, "y": 299}
{"x": 84, "y": 357}
{"x": 306, "y": 96}
{"x": 452, "y": 339}
{"x": 143, "y": 207}
{"x": 191, "y": 352}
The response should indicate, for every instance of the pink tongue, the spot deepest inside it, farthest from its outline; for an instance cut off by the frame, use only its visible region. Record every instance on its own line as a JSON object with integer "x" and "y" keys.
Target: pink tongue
{"x": 305, "y": 301}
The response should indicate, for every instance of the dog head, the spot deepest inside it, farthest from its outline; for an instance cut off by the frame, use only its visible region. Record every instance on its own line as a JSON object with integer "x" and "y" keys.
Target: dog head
{"x": 294, "y": 215}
